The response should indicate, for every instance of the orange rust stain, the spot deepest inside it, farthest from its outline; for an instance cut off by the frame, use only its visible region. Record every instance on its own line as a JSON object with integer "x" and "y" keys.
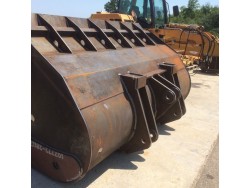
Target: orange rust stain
{"x": 79, "y": 75}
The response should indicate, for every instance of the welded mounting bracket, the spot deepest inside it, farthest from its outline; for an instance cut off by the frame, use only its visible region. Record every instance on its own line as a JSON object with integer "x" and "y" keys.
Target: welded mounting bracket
{"x": 177, "y": 109}
{"x": 145, "y": 130}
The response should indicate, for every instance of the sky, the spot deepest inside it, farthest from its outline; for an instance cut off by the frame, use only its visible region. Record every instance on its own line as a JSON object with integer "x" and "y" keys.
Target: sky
{"x": 84, "y": 8}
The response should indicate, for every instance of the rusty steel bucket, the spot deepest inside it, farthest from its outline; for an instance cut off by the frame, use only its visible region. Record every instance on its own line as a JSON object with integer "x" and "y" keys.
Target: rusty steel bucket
{"x": 98, "y": 86}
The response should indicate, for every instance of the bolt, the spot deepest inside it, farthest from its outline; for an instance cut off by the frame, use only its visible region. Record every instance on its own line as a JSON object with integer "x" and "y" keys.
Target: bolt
{"x": 55, "y": 165}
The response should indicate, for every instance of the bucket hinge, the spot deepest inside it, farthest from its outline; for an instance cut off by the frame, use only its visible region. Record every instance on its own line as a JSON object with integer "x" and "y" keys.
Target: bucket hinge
{"x": 172, "y": 108}
{"x": 145, "y": 131}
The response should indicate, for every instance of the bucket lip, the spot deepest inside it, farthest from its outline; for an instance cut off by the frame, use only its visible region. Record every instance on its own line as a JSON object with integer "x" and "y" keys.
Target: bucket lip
{"x": 87, "y": 158}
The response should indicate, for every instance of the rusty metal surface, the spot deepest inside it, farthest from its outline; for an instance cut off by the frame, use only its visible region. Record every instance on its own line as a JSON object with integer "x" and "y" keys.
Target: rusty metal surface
{"x": 98, "y": 86}
{"x": 64, "y": 166}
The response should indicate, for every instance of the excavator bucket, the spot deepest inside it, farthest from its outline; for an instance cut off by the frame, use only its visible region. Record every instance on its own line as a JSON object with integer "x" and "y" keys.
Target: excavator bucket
{"x": 98, "y": 86}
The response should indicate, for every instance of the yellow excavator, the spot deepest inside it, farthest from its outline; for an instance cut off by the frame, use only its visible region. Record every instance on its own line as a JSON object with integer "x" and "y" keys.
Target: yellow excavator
{"x": 194, "y": 45}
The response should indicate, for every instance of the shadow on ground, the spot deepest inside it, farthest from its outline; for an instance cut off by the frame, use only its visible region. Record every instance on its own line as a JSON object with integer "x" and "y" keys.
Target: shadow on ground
{"x": 117, "y": 160}
{"x": 165, "y": 129}
{"x": 199, "y": 85}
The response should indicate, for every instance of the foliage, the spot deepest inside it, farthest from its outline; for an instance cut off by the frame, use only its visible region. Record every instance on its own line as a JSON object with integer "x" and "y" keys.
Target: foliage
{"x": 205, "y": 15}
{"x": 193, "y": 4}
{"x": 111, "y": 6}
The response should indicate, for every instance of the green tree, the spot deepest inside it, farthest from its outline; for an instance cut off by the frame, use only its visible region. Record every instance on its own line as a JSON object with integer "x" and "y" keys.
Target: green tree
{"x": 209, "y": 18}
{"x": 111, "y": 6}
{"x": 205, "y": 15}
{"x": 124, "y": 6}
{"x": 189, "y": 11}
{"x": 193, "y": 5}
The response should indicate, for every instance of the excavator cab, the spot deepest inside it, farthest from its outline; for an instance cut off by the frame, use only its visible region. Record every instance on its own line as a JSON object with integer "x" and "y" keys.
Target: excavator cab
{"x": 146, "y": 13}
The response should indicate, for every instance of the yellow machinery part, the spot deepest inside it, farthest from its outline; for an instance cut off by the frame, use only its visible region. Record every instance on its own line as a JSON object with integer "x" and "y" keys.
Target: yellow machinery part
{"x": 177, "y": 39}
{"x": 112, "y": 17}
